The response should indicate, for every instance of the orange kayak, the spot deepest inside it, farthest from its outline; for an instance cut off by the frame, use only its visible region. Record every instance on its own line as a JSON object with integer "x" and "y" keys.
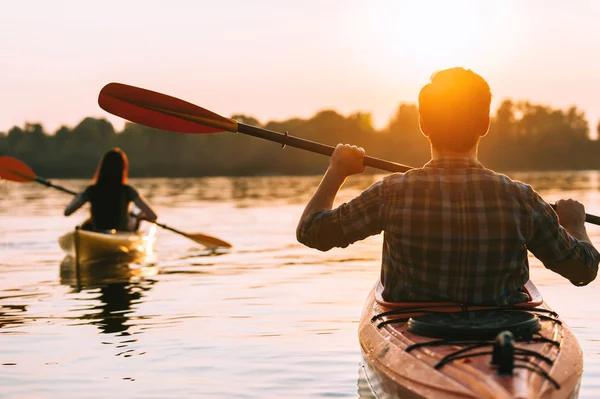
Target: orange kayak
{"x": 443, "y": 350}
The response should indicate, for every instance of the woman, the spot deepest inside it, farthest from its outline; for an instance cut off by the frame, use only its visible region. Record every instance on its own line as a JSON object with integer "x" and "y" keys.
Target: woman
{"x": 110, "y": 197}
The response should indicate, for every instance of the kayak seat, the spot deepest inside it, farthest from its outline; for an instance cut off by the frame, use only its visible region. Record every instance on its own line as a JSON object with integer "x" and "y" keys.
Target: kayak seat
{"x": 535, "y": 299}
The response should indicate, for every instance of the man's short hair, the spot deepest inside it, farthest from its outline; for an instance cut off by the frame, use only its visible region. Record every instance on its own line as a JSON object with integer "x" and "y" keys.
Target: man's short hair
{"x": 454, "y": 109}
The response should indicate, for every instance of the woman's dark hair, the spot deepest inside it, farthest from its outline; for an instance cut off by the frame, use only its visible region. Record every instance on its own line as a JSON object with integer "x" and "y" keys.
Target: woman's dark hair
{"x": 112, "y": 169}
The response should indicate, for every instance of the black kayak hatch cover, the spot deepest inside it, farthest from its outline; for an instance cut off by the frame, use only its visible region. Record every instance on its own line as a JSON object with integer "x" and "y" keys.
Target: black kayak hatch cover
{"x": 479, "y": 324}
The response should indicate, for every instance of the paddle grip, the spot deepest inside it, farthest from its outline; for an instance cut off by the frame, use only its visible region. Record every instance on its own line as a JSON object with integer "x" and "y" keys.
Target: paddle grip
{"x": 318, "y": 148}
{"x": 593, "y": 219}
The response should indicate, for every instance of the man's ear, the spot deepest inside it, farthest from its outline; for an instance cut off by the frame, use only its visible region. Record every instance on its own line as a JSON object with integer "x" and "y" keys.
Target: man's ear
{"x": 487, "y": 126}
{"x": 423, "y": 127}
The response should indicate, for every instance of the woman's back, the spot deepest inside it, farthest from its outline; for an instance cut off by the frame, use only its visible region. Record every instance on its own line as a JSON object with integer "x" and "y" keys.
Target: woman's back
{"x": 110, "y": 205}
{"x": 110, "y": 196}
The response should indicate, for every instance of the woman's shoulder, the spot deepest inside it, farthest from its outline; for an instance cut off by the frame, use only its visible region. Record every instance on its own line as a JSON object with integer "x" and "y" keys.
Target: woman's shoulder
{"x": 87, "y": 191}
{"x": 131, "y": 192}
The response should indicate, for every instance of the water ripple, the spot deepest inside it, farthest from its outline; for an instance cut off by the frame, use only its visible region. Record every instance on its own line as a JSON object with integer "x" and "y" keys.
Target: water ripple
{"x": 267, "y": 319}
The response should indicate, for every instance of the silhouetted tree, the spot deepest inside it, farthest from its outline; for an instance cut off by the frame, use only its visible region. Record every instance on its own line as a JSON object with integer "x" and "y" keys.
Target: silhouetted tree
{"x": 406, "y": 142}
{"x": 522, "y": 136}
{"x": 248, "y": 120}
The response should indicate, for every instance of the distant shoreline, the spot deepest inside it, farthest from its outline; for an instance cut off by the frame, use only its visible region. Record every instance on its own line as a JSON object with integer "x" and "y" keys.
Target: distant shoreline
{"x": 523, "y": 137}
{"x": 315, "y": 175}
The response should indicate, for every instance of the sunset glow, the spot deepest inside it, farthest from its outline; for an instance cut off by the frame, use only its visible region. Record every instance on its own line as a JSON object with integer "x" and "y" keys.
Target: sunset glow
{"x": 275, "y": 60}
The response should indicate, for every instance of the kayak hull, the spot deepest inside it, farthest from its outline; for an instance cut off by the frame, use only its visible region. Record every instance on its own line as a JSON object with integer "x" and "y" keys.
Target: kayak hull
{"x": 102, "y": 272}
{"x": 89, "y": 246}
{"x": 394, "y": 372}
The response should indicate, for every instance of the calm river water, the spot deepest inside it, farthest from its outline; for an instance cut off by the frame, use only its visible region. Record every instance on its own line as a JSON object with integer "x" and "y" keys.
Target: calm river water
{"x": 268, "y": 319}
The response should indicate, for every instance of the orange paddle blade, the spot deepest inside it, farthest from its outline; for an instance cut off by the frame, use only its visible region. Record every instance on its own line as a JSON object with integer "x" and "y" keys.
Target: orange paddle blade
{"x": 161, "y": 111}
{"x": 208, "y": 241}
{"x": 15, "y": 170}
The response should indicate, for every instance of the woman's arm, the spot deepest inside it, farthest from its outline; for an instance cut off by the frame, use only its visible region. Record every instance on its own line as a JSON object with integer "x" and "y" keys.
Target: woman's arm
{"x": 77, "y": 202}
{"x": 147, "y": 212}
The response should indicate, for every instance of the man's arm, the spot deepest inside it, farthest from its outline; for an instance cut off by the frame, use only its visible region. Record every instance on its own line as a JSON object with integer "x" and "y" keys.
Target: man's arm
{"x": 322, "y": 199}
{"x": 566, "y": 249}
{"x": 147, "y": 213}
{"x": 321, "y": 227}
{"x": 345, "y": 161}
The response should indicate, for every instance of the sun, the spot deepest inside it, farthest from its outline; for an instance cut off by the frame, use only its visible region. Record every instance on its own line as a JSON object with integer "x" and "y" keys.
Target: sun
{"x": 433, "y": 35}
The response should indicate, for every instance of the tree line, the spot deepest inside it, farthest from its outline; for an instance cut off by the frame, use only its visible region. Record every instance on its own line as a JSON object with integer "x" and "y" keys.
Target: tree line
{"x": 522, "y": 136}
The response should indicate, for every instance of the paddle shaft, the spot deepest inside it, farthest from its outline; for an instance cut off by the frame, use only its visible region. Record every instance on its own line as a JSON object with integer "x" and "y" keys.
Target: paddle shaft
{"x": 164, "y": 226}
{"x": 150, "y": 108}
{"x": 312, "y": 146}
{"x": 296, "y": 142}
{"x": 47, "y": 183}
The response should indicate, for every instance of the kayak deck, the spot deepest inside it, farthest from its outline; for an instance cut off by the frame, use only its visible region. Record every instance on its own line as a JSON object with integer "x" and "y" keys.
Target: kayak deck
{"x": 88, "y": 246}
{"x": 401, "y": 363}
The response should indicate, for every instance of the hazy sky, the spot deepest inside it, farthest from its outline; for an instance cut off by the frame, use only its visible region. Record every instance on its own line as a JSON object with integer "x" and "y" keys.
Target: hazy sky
{"x": 279, "y": 59}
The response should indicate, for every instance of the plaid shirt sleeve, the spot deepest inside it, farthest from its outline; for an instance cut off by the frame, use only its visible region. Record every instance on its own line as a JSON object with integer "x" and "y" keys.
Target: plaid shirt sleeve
{"x": 348, "y": 223}
{"x": 551, "y": 243}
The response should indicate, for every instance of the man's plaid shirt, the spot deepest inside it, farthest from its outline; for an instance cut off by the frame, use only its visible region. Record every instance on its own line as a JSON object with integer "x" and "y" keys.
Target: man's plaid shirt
{"x": 453, "y": 230}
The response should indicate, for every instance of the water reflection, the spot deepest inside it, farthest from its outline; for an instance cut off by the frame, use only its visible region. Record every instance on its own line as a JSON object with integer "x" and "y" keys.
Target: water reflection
{"x": 363, "y": 384}
{"x": 565, "y": 180}
{"x": 268, "y": 319}
{"x": 117, "y": 300}
{"x": 248, "y": 191}
{"x": 11, "y": 315}
{"x": 121, "y": 286}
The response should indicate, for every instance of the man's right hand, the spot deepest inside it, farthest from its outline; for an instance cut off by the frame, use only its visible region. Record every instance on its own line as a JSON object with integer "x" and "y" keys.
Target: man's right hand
{"x": 347, "y": 160}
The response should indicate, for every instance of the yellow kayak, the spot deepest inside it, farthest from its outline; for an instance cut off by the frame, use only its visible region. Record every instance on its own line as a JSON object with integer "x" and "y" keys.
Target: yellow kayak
{"x": 87, "y": 246}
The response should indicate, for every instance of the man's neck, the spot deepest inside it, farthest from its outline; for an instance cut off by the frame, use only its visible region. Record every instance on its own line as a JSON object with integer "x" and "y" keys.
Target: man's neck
{"x": 437, "y": 153}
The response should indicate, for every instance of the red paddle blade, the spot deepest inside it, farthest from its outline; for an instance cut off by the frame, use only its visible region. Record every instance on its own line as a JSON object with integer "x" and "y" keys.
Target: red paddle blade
{"x": 160, "y": 111}
{"x": 15, "y": 170}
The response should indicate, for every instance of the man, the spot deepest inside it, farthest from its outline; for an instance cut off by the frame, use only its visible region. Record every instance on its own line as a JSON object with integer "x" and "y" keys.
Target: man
{"x": 453, "y": 230}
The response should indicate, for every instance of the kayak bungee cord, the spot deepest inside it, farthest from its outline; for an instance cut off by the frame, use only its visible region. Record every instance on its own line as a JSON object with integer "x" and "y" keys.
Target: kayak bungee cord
{"x": 442, "y": 342}
{"x": 529, "y": 366}
{"x": 504, "y": 354}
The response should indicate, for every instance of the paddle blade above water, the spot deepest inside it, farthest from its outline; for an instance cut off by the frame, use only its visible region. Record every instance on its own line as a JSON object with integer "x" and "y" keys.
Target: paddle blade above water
{"x": 208, "y": 241}
{"x": 161, "y": 111}
{"x": 15, "y": 170}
